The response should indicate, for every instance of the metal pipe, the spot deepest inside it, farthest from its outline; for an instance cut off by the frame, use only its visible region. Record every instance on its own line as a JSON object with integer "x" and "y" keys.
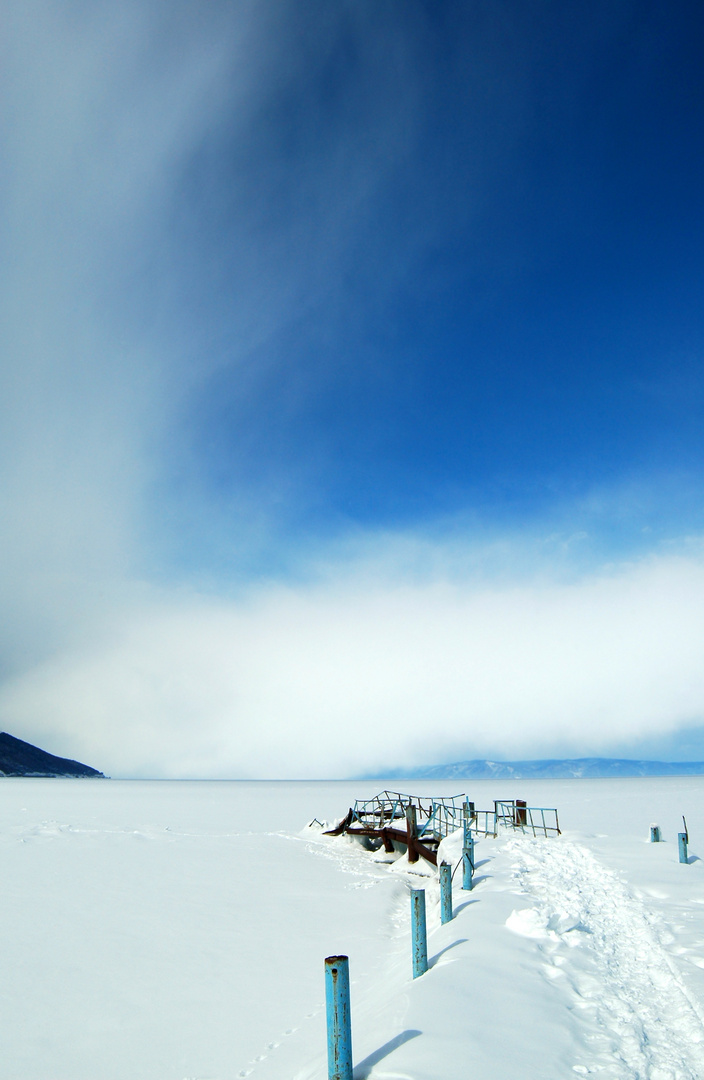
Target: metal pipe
{"x": 445, "y": 872}
{"x": 467, "y": 868}
{"x": 418, "y": 933}
{"x": 682, "y": 841}
{"x": 654, "y": 834}
{"x": 337, "y": 1003}
{"x": 467, "y": 849}
{"x": 467, "y": 862}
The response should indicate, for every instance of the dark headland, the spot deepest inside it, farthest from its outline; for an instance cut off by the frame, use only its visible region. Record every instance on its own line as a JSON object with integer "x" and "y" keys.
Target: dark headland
{"x": 19, "y": 758}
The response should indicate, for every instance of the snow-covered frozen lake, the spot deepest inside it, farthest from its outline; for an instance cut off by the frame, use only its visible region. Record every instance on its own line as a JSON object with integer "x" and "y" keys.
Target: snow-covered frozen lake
{"x": 177, "y": 929}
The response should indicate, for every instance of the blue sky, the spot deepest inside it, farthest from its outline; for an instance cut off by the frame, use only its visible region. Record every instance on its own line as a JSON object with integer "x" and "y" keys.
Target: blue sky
{"x": 351, "y": 351}
{"x": 492, "y": 221}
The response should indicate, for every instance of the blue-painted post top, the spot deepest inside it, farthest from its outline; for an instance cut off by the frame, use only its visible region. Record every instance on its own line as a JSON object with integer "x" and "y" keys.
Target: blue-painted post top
{"x": 682, "y": 844}
{"x": 339, "y": 1028}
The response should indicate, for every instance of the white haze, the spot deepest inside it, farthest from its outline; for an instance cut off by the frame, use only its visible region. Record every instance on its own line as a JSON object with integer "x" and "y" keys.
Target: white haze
{"x": 360, "y": 671}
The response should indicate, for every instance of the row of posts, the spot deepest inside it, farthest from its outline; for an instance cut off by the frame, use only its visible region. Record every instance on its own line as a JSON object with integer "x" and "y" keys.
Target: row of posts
{"x": 337, "y": 976}
{"x": 682, "y": 841}
{"x": 337, "y": 973}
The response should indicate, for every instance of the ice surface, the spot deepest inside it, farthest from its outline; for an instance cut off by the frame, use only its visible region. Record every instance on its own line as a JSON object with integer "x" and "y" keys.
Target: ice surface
{"x": 178, "y": 929}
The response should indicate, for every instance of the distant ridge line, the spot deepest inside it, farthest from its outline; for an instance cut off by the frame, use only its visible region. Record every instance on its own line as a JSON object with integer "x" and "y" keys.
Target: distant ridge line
{"x": 545, "y": 769}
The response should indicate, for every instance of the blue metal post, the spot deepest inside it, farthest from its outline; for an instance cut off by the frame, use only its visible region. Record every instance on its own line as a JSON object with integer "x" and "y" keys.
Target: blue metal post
{"x": 337, "y": 1002}
{"x": 654, "y": 834}
{"x": 467, "y": 854}
{"x": 467, "y": 865}
{"x": 682, "y": 841}
{"x": 418, "y": 933}
{"x": 445, "y": 872}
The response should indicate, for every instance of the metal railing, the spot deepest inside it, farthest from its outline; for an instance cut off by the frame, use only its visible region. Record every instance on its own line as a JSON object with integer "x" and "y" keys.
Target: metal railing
{"x": 538, "y": 820}
{"x": 386, "y": 816}
{"x": 483, "y": 823}
{"x": 435, "y": 817}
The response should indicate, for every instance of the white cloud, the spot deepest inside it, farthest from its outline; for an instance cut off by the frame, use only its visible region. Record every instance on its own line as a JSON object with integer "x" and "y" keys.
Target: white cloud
{"x": 362, "y": 670}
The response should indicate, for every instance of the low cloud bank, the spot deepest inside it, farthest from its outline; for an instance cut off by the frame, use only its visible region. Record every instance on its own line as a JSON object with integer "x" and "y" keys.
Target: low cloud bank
{"x": 360, "y": 671}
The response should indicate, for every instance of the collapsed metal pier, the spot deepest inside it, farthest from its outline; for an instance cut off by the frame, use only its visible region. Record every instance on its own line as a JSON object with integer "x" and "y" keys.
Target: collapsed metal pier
{"x": 418, "y": 825}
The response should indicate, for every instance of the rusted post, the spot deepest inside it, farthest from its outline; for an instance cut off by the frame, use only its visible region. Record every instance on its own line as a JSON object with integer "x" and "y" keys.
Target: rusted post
{"x": 418, "y": 933}
{"x": 520, "y": 817}
{"x": 411, "y": 833}
{"x": 388, "y": 845}
{"x": 337, "y": 1002}
{"x": 445, "y": 872}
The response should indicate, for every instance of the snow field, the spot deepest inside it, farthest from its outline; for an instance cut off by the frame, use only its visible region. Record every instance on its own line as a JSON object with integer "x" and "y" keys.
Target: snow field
{"x": 178, "y": 930}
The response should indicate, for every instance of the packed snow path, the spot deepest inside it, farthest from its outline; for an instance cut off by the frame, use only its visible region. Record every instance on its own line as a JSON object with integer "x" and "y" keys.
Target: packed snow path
{"x": 638, "y": 1016}
{"x": 178, "y": 930}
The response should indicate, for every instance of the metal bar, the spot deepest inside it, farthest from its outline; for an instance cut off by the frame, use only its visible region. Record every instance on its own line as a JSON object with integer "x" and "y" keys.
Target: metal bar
{"x": 431, "y": 815}
{"x": 682, "y": 843}
{"x": 418, "y": 933}
{"x": 339, "y": 1028}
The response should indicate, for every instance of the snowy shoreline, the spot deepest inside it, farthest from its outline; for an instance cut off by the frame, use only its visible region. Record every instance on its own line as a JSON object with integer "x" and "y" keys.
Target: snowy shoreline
{"x": 178, "y": 929}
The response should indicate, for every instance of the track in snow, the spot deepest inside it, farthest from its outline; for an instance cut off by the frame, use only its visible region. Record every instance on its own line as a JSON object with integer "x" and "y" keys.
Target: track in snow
{"x": 638, "y": 1018}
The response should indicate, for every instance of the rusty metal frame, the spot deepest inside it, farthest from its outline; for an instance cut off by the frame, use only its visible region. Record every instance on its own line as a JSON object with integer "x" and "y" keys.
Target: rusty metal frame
{"x": 420, "y": 823}
{"x": 427, "y": 821}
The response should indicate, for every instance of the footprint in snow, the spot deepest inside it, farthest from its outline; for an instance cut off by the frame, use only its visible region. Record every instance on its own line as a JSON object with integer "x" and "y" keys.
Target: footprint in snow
{"x": 640, "y": 1018}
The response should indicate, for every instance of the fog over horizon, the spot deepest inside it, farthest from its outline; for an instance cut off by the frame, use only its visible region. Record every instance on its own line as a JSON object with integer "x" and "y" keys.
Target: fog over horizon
{"x": 351, "y": 384}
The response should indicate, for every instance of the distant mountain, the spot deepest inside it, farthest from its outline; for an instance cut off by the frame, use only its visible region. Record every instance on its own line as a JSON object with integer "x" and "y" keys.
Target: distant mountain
{"x": 19, "y": 758}
{"x": 557, "y": 769}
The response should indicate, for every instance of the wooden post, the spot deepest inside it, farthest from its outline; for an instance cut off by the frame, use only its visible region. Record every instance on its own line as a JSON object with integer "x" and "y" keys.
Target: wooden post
{"x": 411, "y": 833}
{"x": 388, "y": 845}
